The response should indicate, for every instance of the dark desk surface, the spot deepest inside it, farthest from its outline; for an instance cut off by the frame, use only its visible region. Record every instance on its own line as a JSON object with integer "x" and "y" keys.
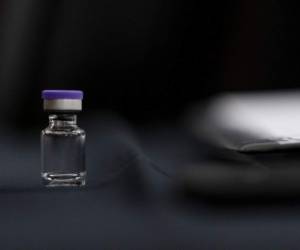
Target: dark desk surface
{"x": 130, "y": 201}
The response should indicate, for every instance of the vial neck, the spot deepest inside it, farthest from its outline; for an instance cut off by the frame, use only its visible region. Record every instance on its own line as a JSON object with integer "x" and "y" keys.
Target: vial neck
{"x": 62, "y": 121}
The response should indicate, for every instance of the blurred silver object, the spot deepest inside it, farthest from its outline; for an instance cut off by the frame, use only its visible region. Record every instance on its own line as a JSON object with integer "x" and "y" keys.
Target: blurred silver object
{"x": 250, "y": 122}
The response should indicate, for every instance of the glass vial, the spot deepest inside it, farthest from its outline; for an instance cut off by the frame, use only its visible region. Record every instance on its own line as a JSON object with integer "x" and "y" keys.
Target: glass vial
{"x": 63, "y": 142}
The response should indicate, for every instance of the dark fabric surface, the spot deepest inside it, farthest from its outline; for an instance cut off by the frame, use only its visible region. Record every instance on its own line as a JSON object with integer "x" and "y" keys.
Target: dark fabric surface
{"x": 131, "y": 200}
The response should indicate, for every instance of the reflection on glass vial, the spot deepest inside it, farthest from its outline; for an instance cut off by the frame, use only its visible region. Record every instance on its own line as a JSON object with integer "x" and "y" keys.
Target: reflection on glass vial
{"x": 62, "y": 142}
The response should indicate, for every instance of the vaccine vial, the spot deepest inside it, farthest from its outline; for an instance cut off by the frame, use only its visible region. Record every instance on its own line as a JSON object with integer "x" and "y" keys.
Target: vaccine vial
{"x": 63, "y": 142}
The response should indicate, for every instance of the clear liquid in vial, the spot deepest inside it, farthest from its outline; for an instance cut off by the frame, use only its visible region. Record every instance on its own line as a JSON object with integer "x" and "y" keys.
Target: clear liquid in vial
{"x": 63, "y": 157}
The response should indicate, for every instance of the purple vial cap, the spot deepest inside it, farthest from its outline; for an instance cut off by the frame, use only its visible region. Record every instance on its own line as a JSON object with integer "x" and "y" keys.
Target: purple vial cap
{"x": 52, "y": 94}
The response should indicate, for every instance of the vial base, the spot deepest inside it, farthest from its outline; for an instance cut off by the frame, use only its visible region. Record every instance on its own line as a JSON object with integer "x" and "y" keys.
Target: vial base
{"x": 64, "y": 180}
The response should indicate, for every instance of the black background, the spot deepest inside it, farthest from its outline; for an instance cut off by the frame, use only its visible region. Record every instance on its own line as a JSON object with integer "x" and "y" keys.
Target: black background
{"x": 139, "y": 63}
{"x": 146, "y": 60}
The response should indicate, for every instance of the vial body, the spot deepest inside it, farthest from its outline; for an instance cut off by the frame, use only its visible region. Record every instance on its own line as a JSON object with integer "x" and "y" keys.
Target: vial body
{"x": 63, "y": 152}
